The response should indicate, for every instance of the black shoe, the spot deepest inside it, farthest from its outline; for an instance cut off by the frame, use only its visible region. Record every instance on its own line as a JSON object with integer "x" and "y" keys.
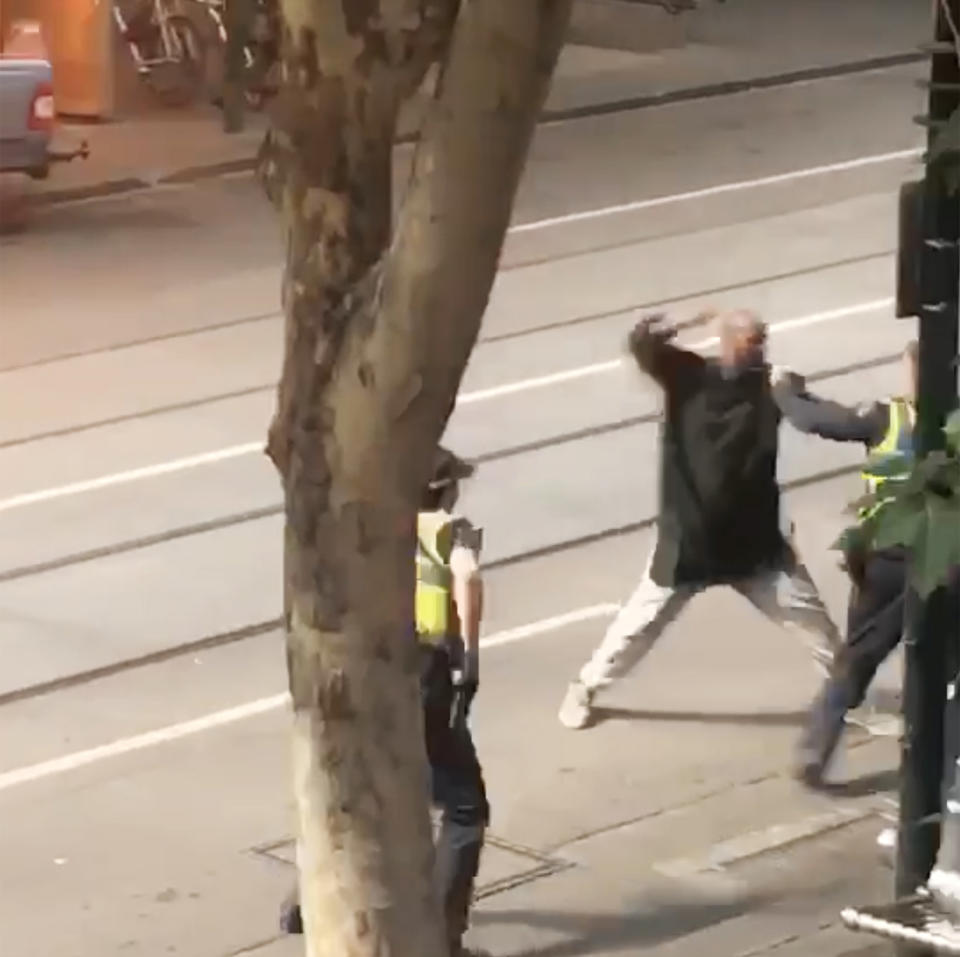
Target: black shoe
{"x": 810, "y": 775}
{"x": 291, "y": 920}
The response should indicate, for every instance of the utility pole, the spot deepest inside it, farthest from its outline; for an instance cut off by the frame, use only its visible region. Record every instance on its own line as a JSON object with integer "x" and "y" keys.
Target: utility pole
{"x": 931, "y": 623}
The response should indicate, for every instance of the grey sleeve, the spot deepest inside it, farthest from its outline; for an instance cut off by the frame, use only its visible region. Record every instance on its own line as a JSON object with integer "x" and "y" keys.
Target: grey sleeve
{"x": 809, "y": 413}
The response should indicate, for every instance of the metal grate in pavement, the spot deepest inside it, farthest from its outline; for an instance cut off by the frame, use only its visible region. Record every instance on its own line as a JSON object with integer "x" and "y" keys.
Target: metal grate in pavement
{"x": 505, "y": 864}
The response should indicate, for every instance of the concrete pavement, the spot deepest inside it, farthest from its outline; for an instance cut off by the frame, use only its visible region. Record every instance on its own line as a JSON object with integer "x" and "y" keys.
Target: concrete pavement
{"x": 152, "y": 804}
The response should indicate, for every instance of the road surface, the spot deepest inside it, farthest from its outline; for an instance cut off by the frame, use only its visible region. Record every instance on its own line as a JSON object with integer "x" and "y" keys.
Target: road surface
{"x": 142, "y": 740}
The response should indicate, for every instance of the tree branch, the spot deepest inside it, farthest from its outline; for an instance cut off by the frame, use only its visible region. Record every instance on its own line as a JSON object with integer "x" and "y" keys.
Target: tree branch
{"x": 440, "y": 267}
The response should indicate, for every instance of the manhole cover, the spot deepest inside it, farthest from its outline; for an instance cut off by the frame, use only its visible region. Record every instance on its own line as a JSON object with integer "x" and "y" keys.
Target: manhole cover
{"x": 505, "y": 864}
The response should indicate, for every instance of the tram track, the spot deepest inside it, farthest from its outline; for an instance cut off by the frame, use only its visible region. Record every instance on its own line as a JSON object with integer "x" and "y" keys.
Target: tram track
{"x": 273, "y": 511}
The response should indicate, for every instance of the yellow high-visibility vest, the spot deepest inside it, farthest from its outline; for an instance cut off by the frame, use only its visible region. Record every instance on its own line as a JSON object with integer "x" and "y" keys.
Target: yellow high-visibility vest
{"x": 434, "y": 599}
{"x": 897, "y": 441}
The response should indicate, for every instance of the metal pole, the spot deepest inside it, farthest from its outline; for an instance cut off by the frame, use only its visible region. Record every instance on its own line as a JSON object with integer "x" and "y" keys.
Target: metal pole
{"x": 929, "y": 623}
{"x": 237, "y": 17}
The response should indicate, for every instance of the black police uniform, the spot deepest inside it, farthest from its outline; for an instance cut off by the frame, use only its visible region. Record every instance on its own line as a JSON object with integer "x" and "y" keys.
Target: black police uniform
{"x": 456, "y": 777}
{"x": 876, "y": 605}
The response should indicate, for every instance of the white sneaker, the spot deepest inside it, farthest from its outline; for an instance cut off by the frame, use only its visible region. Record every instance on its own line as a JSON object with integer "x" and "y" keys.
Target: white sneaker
{"x": 576, "y": 710}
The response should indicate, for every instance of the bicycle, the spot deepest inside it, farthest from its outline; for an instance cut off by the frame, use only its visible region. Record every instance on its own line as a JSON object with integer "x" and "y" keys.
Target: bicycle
{"x": 167, "y": 49}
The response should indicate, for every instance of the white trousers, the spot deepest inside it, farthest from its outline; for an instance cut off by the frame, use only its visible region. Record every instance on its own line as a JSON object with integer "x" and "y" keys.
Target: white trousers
{"x": 787, "y": 597}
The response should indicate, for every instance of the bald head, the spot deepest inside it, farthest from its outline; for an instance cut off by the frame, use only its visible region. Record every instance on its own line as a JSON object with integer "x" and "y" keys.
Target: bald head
{"x": 743, "y": 338}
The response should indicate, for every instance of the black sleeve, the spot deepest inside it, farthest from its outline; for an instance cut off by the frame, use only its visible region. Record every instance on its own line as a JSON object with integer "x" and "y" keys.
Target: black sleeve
{"x": 664, "y": 362}
{"x": 830, "y": 420}
{"x": 466, "y": 535}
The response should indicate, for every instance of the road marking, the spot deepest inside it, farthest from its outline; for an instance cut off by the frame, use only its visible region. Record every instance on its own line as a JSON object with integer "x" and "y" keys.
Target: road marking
{"x": 545, "y": 625}
{"x": 581, "y": 372}
{"x": 755, "y": 843}
{"x": 720, "y": 189}
{"x": 131, "y": 475}
{"x": 467, "y": 398}
{"x": 218, "y": 719}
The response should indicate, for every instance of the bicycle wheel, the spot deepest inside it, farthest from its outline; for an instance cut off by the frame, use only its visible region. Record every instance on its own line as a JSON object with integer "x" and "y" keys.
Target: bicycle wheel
{"x": 181, "y": 80}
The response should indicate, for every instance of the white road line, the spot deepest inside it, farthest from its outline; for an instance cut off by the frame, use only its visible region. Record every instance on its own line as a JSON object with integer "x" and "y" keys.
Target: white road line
{"x": 754, "y": 843}
{"x": 581, "y": 372}
{"x": 467, "y": 398}
{"x": 549, "y": 624}
{"x": 218, "y": 719}
{"x": 132, "y": 475}
{"x": 720, "y": 189}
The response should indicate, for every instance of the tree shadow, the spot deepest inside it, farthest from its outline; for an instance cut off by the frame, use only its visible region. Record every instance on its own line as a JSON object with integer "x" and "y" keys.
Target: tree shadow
{"x": 761, "y": 718}
{"x": 657, "y": 923}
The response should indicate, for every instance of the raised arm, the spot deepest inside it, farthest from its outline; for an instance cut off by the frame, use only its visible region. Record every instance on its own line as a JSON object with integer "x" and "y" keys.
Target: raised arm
{"x": 650, "y": 343}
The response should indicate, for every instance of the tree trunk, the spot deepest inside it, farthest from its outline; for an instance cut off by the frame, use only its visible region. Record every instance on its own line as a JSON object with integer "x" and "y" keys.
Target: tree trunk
{"x": 378, "y": 333}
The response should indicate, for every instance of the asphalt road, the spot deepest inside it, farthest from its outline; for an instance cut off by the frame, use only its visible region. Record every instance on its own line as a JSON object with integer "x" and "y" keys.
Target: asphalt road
{"x": 139, "y": 523}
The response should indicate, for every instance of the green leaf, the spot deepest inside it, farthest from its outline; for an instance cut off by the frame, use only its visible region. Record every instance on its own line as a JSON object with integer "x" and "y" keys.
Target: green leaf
{"x": 937, "y": 547}
{"x": 952, "y": 430}
{"x": 891, "y": 465}
{"x": 899, "y": 523}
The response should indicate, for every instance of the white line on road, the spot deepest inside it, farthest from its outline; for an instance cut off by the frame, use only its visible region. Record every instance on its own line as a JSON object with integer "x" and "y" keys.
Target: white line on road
{"x": 754, "y": 843}
{"x": 131, "y": 475}
{"x": 467, "y": 398}
{"x": 218, "y": 719}
{"x": 581, "y": 372}
{"x": 720, "y": 189}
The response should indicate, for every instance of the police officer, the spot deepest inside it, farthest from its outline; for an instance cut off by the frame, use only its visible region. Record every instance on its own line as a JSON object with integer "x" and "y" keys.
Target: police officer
{"x": 876, "y": 605}
{"x": 449, "y": 608}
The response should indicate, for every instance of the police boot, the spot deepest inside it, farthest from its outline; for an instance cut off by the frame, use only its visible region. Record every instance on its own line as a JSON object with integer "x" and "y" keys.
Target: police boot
{"x": 291, "y": 920}
{"x": 822, "y": 734}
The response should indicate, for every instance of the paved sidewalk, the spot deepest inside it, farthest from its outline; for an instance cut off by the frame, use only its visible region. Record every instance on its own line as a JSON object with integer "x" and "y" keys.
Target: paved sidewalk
{"x": 735, "y": 45}
{"x": 667, "y": 884}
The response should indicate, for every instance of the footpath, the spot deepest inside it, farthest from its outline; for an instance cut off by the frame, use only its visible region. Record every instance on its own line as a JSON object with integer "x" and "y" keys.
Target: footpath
{"x": 683, "y": 881}
{"x": 735, "y": 46}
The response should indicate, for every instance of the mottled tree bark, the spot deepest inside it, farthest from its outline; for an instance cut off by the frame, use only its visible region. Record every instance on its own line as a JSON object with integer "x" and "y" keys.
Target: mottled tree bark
{"x": 379, "y": 327}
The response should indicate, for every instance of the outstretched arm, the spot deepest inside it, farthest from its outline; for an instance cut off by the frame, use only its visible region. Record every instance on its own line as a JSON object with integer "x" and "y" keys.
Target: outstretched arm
{"x": 828, "y": 419}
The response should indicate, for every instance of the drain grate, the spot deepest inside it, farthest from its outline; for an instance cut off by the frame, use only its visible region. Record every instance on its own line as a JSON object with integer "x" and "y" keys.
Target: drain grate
{"x": 505, "y": 864}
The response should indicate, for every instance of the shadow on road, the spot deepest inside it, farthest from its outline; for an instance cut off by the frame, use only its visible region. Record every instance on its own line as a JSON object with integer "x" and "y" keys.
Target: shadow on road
{"x": 586, "y": 933}
{"x": 867, "y": 785}
{"x": 767, "y": 718}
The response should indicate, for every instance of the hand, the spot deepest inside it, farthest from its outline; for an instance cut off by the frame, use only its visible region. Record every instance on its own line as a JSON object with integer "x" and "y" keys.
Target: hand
{"x": 778, "y": 374}
{"x": 702, "y": 318}
{"x": 650, "y": 327}
{"x": 781, "y": 375}
{"x": 464, "y": 691}
{"x": 854, "y": 563}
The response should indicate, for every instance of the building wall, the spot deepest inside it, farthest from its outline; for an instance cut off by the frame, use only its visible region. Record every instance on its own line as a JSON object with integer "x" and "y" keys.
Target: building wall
{"x": 79, "y": 37}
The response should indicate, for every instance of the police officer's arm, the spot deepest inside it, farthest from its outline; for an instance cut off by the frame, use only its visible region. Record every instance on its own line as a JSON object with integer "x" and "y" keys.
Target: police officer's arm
{"x": 468, "y": 592}
{"x": 468, "y": 596}
{"x": 650, "y": 344}
{"x": 828, "y": 419}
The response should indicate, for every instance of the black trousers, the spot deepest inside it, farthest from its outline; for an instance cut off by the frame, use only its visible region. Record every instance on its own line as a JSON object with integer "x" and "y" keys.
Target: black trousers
{"x": 458, "y": 791}
{"x": 875, "y": 616}
{"x": 458, "y": 788}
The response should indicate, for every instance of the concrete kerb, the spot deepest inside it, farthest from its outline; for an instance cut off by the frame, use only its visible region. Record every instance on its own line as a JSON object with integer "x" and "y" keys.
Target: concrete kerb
{"x": 195, "y": 173}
